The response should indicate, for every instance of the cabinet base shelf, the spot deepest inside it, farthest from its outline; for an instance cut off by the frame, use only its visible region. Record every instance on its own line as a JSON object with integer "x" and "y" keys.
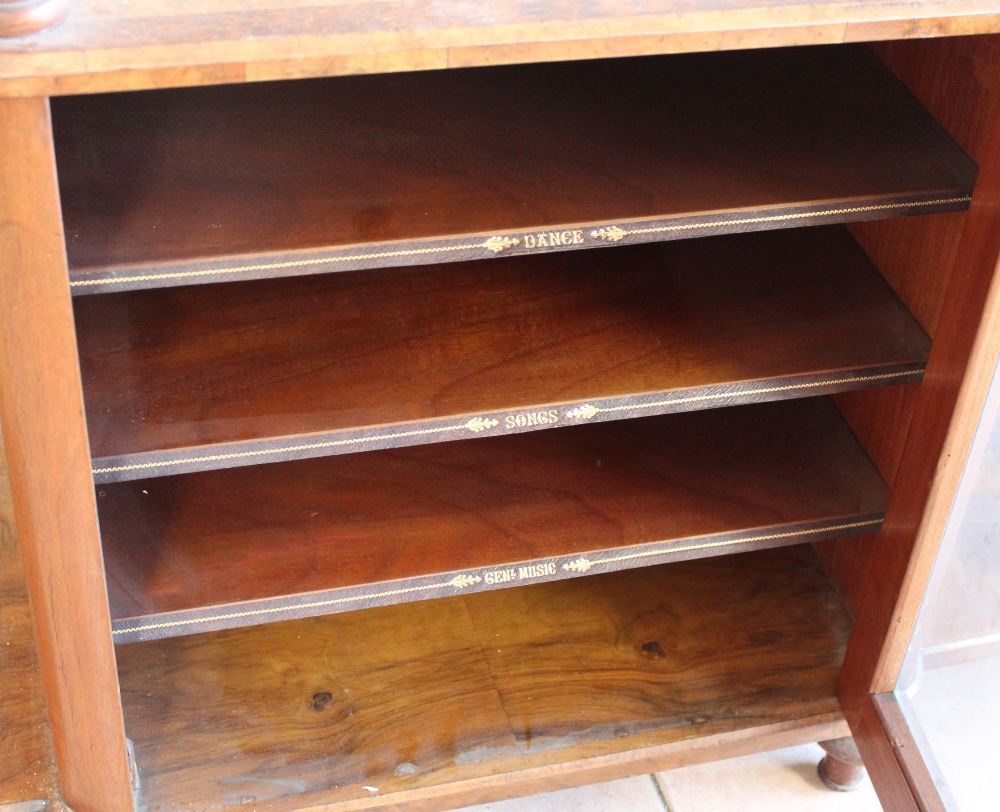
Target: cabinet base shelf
{"x": 494, "y": 686}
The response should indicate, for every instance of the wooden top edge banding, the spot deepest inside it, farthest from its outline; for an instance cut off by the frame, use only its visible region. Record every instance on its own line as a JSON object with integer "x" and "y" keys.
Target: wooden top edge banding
{"x": 229, "y": 455}
{"x": 513, "y": 243}
{"x": 138, "y": 45}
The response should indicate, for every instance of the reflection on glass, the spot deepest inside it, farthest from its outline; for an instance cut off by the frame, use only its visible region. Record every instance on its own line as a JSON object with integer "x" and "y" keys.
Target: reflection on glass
{"x": 949, "y": 687}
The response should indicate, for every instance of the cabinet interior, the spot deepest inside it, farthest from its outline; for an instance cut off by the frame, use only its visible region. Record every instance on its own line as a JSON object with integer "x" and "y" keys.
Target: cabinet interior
{"x": 368, "y": 525}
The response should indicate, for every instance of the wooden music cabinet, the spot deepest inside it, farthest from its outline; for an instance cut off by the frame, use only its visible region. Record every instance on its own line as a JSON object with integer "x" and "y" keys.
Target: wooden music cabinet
{"x": 430, "y": 436}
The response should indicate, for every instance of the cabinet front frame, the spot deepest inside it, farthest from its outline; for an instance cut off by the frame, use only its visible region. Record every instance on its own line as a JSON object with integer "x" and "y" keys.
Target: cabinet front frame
{"x": 47, "y": 448}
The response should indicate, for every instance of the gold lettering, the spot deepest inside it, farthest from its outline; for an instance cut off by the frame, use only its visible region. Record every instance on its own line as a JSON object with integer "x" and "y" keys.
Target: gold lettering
{"x": 537, "y": 570}
{"x": 528, "y": 419}
{"x": 553, "y": 239}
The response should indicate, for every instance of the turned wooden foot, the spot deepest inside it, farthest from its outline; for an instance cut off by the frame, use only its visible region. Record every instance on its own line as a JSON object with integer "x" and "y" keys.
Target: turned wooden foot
{"x": 841, "y": 768}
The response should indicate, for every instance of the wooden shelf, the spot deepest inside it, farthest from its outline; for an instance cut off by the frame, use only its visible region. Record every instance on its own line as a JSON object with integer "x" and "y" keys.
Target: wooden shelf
{"x": 406, "y": 699}
{"x": 197, "y": 378}
{"x": 233, "y": 548}
{"x": 232, "y": 182}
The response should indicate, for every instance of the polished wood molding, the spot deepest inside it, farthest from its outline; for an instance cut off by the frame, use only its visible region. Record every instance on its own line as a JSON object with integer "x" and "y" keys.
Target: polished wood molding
{"x": 46, "y": 443}
{"x": 895, "y": 757}
{"x": 255, "y": 181}
{"x": 20, "y": 17}
{"x": 913, "y": 753}
{"x": 194, "y": 378}
{"x": 316, "y": 537}
{"x": 141, "y": 45}
{"x": 410, "y": 699}
{"x": 875, "y": 743}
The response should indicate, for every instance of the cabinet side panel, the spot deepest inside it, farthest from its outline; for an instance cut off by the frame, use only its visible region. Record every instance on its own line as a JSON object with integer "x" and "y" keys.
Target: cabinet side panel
{"x": 958, "y": 80}
{"x": 962, "y": 360}
{"x": 41, "y": 409}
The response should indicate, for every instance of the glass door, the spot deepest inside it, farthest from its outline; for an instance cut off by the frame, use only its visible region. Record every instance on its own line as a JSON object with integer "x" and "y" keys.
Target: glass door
{"x": 949, "y": 686}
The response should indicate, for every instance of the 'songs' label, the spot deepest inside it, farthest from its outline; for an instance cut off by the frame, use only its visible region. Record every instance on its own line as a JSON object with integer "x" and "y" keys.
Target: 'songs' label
{"x": 525, "y": 419}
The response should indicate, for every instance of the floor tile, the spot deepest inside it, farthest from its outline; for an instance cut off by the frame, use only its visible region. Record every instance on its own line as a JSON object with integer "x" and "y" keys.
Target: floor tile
{"x": 625, "y": 795}
{"x": 780, "y": 781}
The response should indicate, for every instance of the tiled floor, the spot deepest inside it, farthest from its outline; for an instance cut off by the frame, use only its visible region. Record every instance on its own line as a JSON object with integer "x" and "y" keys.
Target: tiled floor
{"x": 782, "y": 781}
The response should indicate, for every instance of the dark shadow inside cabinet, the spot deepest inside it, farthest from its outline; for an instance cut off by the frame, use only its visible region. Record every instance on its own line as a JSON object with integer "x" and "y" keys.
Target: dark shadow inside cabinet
{"x": 450, "y": 427}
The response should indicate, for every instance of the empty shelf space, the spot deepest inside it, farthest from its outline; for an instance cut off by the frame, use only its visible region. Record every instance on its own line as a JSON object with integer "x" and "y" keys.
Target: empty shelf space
{"x": 195, "y": 378}
{"x": 174, "y": 187}
{"x": 220, "y": 549}
{"x": 404, "y": 699}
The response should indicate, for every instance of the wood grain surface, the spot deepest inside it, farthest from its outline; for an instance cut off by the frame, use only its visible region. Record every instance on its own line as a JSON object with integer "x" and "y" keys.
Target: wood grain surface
{"x": 328, "y": 364}
{"x": 249, "y": 181}
{"x": 913, "y": 752}
{"x": 958, "y": 79}
{"x": 143, "y": 44}
{"x": 405, "y": 698}
{"x": 961, "y": 365}
{"x": 46, "y": 444}
{"x": 27, "y": 764}
{"x": 241, "y": 547}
